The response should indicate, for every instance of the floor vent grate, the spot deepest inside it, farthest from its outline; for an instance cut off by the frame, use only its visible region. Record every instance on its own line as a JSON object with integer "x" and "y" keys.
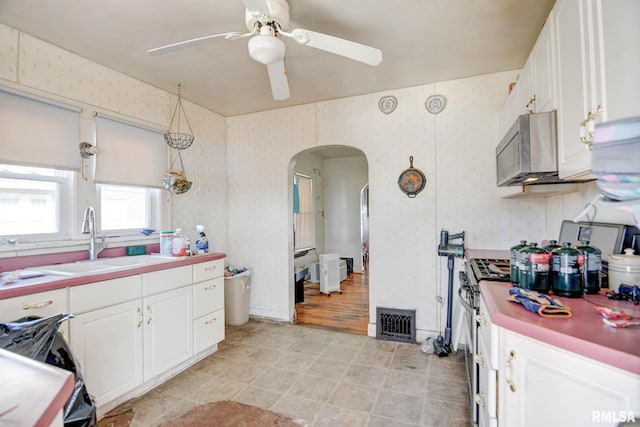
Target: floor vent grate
{"x": 396, "y": 325}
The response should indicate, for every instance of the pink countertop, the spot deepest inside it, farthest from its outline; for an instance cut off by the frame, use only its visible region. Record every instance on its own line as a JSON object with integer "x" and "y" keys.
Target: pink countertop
{"x": 32, "y": 393}
{"x": 48, "y": 283}
{"x": 584, "y": 333}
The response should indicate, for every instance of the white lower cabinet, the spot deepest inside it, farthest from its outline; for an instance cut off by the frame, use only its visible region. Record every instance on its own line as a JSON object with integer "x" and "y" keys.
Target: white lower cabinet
{"x": 167, "y": 331}
{"x": 131, "y": 333}
{"x": 108, "y": 345}
{"x": 542, "y": 385}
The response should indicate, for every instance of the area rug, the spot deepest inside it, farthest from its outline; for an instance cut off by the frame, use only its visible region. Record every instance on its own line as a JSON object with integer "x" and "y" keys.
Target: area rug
{"x": 228, "y": 414}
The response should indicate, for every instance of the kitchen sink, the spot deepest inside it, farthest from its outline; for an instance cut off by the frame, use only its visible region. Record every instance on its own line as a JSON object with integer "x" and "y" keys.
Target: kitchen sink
{"x": 101, "y": 265}
{"x": 73, "y": 268}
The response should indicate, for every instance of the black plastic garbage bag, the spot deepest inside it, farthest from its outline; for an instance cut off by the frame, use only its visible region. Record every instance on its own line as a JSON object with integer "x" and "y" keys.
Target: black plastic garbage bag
{"x": 40, "y": 340}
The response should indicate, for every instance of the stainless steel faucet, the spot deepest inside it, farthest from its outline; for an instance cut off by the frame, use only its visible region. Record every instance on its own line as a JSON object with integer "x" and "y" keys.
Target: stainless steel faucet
{"x": 89, "y": 227}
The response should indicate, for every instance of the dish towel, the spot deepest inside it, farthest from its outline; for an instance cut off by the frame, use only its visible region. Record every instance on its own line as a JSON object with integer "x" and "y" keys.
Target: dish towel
{"x": 539, "y": 303}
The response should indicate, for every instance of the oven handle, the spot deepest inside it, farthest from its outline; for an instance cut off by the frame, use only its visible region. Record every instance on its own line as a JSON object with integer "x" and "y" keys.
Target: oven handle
{"x": 466, "y": 305}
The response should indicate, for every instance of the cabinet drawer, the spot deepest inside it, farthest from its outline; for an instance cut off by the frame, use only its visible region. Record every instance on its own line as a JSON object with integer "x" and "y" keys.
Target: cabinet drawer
{"x": 42, "y": 304}
{"x": 104, "y": 294}
{"x": 208, "y": 270}
{"x": 208, "y": 331}
{"x": 208, "y": 297}
{"x": 165, "y": 280}
{"x": 489, "y": 333}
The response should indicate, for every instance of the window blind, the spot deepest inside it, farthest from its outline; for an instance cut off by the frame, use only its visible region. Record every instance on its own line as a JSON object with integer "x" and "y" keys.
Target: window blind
{"x": 129, "y": 154}
{"x": 38, "y": 132}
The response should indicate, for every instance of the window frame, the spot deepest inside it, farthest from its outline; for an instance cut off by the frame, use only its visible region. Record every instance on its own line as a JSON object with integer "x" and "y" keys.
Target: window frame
{"x": 65, "y": 181}
{"x": 153, "y": 214}
{"x": 310, "y": 214}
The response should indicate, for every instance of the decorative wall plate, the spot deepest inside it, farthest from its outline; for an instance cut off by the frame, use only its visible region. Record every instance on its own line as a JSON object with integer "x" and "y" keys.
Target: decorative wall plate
{"x": 412, "y": 180}
{"x": 387, "y": 104}
{"x": 435, "y": 103}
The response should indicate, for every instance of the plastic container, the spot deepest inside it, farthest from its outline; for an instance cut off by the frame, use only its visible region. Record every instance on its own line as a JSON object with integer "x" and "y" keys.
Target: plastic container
{"x": 624, "y": 269}
{"x": 178, "y": 247}
{"x": 592, "y": 267}
{"x": 566, "y": 276}
{"x": 513, "y": 262}
{"x": 166, "y": 241}
{"x": 534, "y": 268}
{"x": 237, "y": 291}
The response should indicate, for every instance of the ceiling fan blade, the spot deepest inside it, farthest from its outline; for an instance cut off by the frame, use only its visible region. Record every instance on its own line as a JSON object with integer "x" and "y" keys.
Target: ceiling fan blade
{"x": 278, "y": 78}
{"x": 193, "y": 42}
{"x": 257, "y": 7}
{"x": 346, "y": 48}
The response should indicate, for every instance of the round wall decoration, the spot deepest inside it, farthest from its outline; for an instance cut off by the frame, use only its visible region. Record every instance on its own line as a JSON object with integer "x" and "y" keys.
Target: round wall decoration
{"x": 387, "y": 104}
{"x": 435, "y": 103}
{"x": 412, "y": 180}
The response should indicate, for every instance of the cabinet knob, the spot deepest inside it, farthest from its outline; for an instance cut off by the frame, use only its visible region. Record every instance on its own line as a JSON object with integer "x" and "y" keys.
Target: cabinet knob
{"x": 479, "y": 360}
{"x": 208, "y": 288}
{"x": 480, "y": 400}
{"x": 208, "y": 322}
{"x": 480, "y": 320}
{"x": 531, "y": 101}
{"x": 588, "y": 127}
{"x": 37, "y": 305}
{"x": 213, "y": 267}
{"x": 507, "y": 374}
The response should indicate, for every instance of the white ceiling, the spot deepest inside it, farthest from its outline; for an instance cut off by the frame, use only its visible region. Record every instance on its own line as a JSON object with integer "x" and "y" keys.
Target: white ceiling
{"x": 422, "y": 41}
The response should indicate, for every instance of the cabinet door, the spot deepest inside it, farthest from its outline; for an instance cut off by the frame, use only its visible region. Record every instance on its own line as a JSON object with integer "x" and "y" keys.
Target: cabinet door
{"x": 616, "y": 55}
{"x": 543, "y": 70}
{"x": 541, "y": 385}
{"x": 108, "y": 346}
{"x": 168, "y": 331}
{"x": 573, "y": 56}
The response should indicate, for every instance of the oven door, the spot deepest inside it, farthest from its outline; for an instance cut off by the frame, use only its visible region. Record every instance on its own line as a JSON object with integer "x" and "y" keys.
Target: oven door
{"x": 471, "y": 338}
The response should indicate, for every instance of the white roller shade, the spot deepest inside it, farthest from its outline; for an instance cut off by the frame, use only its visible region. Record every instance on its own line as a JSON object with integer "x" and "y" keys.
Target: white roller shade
{"x": 129, "y": 154}
{"x": 38, "y": 132}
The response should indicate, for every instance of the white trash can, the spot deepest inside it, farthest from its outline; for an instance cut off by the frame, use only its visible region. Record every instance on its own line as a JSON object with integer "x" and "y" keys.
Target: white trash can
{"x": 237, "y": 290}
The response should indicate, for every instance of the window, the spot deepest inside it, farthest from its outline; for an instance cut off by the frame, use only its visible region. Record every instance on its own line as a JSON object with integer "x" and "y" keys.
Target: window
{"x": 32, "y": 200}
{"x": 127, "y": 208}
{"x": 303, "y": 218}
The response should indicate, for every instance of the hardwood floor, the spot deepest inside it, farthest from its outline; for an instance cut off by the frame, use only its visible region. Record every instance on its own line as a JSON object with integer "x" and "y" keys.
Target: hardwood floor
{"x": 347, "y": 312}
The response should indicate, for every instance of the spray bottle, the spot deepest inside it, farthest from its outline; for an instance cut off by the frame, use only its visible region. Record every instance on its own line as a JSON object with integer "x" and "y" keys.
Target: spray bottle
{"x": 202, "y": 244}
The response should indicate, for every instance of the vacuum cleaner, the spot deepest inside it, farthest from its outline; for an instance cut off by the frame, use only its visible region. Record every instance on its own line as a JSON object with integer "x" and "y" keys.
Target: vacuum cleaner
{"x": 442, "y": 345}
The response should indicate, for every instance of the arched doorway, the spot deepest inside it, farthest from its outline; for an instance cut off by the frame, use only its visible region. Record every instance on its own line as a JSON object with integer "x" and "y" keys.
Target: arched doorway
{"x": 337, "y": 176}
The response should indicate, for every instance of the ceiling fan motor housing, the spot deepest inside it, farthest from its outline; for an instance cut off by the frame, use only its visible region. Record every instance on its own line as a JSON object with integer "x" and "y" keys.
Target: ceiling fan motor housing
{"x": 278, "y": 12}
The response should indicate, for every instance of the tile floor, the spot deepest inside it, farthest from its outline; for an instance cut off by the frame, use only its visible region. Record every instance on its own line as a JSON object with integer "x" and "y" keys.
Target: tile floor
{"x": 318, "y": 377}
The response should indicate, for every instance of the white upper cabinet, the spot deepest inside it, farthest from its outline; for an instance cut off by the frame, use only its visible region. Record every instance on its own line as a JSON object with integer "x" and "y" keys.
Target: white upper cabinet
{"x": 543, "y": 71}
{"x": 535, "y": 89}
{"x": 598, "y": 71}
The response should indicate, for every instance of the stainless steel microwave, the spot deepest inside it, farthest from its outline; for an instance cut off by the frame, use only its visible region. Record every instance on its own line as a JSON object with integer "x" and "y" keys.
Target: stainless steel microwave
{"x": 528, "y": 152}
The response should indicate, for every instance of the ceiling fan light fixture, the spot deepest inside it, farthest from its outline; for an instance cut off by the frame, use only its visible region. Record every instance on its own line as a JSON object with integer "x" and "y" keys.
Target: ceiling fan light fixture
{"x": 266, "y": 49}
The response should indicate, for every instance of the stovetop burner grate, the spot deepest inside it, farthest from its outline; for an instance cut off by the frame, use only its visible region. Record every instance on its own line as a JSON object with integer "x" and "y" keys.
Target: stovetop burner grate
{"x": 491, "y": 269}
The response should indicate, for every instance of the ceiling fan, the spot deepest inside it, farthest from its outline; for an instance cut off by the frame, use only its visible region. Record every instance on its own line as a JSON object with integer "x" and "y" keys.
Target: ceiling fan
{"x": 267, "y": 20}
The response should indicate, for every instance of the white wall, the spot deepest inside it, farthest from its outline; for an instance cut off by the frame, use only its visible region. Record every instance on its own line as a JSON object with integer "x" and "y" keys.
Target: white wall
{"x": 455, "y": 149}
{"x": 344, "y": 178}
